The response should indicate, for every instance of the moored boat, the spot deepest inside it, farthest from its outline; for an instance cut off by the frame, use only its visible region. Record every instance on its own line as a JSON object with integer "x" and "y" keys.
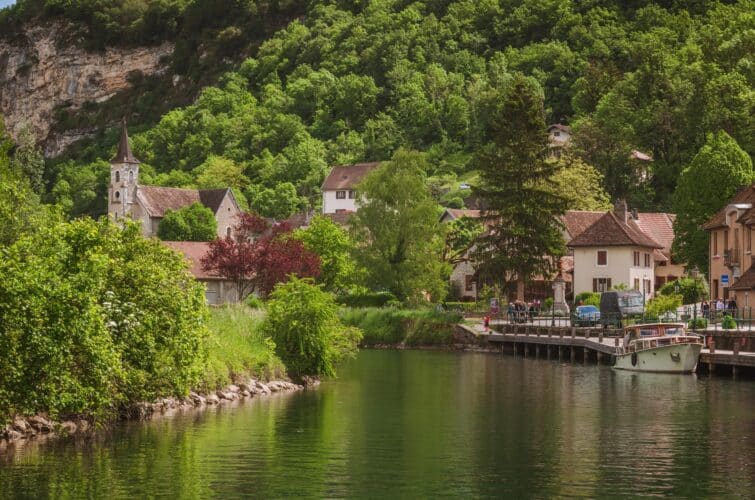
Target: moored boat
{"x": 658, "y": 347}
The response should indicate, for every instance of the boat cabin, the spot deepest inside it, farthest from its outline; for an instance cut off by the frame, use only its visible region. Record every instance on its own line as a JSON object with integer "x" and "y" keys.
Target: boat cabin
{"x": 642, "y": 337}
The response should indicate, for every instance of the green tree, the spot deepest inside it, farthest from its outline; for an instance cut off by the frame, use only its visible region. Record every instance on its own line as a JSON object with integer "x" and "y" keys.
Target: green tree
{"x": 338, "y": 271}
{"x": 400, "y": 237}
{"x": 713, "y": 176}
{"x": 692, "y": 290}
{"x": 28, "y": 159}
{"x": 521, "y": 207}
{"x": 193, "y": 223}
{"x": 219, "y": 172}
{"x": 279, "y": 202}
{"x": 302, "y": 320}
{"x": 581, "y": 184}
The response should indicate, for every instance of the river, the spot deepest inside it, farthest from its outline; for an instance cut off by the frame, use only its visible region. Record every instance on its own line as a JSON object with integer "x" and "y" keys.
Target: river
{"x": 412, "y": 424}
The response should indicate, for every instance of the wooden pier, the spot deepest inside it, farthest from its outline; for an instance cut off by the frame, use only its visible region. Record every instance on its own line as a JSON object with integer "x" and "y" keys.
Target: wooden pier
{"x": 599, "y": 345}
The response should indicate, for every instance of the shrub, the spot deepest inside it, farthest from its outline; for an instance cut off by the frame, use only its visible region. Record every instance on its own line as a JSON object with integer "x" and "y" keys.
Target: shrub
{"x": 376, "y": 299}
{"x": 587, "y": 299}
{"x": 728, "y": 323}
{"x": 193, "y": 223}
{"x": 697, "y": 324}
{"x": 303, "y": 322}
{"x": 692, "y": 290}
{"x": 661, "y": 304}
{"x": 254, "y": 302}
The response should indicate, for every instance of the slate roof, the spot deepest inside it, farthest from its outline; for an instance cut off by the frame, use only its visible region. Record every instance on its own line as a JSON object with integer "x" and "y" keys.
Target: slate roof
{"x": 157, "y": 200}
{"x": 124, "y": 154}
{"x": 347, "y": 176}
{"x": 744, "y": 195}
{"x": 576, "y": 221}
{"x": 193, "y": 251}
{"x": 609, "y": 230}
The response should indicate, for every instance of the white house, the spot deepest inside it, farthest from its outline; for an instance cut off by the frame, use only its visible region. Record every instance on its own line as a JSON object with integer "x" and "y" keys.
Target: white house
{"x": 339, "y": 189}
{"x": 615, "y": 250}
{"x": 558, "y": 138}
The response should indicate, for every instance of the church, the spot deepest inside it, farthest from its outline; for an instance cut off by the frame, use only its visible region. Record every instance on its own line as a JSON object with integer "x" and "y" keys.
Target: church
{"x": 148, "y": 204}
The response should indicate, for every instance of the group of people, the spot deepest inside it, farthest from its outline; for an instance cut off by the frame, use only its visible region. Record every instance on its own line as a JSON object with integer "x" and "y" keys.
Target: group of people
{"x": 519, "y": 311}
{"x": 719, "y": 307}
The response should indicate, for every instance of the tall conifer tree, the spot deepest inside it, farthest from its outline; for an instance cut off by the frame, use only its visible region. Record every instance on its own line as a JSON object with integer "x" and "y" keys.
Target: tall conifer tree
{"x": 520, "y": 208}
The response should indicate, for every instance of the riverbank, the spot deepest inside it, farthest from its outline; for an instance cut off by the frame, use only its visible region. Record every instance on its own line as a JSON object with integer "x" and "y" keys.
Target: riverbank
{"x": 391, "y": 327}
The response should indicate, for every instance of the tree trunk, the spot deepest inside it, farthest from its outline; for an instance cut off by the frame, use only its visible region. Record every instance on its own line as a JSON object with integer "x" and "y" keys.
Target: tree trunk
{"x": 520, "y": 289}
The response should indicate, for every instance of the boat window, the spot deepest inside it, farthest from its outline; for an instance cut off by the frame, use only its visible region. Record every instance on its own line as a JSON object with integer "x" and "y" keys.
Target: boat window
{"x": 674, "y": 331}
{"x": 648, "y": 332}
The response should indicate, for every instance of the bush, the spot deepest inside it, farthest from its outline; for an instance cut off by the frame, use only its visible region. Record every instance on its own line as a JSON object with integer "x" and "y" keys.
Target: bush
{"x": 193, "y": 223}
{"x": 406, "y": 327}
{"x": 254, "y": 302}
{"x": 692, "y": 290}
{"x": 728, "y": 323}
{"x": 697, "y": 324}
{"x": 377, "y": 299}
{"x": 661, "y": 304}
{"x": 587, "y": 299}
{"x": 94, "y": 318}
{"x": 303, "y": 322}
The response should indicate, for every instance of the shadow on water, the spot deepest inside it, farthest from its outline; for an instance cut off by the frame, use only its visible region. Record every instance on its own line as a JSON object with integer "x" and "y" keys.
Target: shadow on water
{"x": 424, "y": 424}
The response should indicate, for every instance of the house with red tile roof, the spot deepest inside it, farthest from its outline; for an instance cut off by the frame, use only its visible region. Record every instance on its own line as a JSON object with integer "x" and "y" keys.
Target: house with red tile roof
{"x": 730, "y": 260}
{"x": 148, "y": 204}
{"x": 339, "y": 188}
{"x": 625, "y": 248}
{"x": 218, "y": 290}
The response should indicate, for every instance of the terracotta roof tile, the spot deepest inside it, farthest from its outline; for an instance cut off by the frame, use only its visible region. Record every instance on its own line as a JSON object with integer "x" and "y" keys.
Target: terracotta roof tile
{"x": 660, "y": 227}
{"x": 576, "y": 221}
{"x": 458, "y": 213}
{"x": 347, "y": 176}
{"x": 746, "y": 281}
{"x": 744, "y": 195}
{"x": 193, "y": 251}
{"x": 157, "y": 200}
{"x": 608, "y": 230}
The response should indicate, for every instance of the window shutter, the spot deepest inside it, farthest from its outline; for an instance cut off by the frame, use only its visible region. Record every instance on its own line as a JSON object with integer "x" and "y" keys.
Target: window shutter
{"x": 608, "y": 284}
{"x": 595, "y": 284}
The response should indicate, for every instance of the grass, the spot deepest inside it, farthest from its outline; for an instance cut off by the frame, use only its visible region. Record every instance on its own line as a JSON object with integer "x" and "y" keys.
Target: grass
{"x": 236, "y": 348}
{"x": 413, "y": 327}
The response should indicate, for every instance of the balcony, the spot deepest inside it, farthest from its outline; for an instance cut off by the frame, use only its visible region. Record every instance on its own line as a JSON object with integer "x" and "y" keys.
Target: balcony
{"x": 731, "y": 257}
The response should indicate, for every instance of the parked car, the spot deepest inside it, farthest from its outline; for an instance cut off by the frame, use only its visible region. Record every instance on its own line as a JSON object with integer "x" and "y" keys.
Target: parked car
{"x": 617, "y": 306}
{"x": 586, "y": 316}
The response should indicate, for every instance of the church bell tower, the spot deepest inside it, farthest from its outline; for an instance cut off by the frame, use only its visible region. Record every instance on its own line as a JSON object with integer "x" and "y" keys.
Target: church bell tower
{"x": 124, "y": 179}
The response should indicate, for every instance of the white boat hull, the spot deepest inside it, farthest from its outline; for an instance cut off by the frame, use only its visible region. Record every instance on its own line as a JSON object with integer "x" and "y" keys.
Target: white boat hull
{"x": 676, "y": 358}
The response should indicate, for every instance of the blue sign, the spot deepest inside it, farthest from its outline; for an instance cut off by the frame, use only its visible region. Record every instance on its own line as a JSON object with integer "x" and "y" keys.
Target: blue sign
{"x": 724, "y": 279}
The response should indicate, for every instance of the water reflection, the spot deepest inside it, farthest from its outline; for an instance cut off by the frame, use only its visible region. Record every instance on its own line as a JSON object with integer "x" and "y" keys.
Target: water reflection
{"x": 422, "y": 424}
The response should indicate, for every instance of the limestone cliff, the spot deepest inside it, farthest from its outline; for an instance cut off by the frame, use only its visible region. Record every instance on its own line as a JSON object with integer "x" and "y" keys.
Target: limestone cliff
{"x": 39, "y": 72}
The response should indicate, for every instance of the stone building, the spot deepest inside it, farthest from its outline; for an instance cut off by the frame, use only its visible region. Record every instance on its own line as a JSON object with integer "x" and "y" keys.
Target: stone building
{"x": 148, "y": 204}
{"x": 339, "y": 188}
{"x": 218, "y": 290}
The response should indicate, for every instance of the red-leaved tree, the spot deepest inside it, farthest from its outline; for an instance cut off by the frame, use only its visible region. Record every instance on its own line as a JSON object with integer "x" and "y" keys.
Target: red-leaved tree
{"x": 259, "y": 256}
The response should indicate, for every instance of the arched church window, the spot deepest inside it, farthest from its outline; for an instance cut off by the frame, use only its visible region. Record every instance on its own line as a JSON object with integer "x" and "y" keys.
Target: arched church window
{"x": 117, "y": 176}
{"x": 131, "y": 176}
{"x": 228, "y": 232}
{"x": 117, "y": 195}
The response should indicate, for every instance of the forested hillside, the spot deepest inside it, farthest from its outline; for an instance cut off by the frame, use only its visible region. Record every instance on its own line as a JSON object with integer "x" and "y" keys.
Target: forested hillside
{"x": 348, "y": 81}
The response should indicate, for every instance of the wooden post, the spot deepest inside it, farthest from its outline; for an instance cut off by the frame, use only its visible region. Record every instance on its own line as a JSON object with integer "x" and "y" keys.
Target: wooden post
{"x": 585, "y": 355}
{"x": 525, "y": 349}
{"x": 735, "y": 349}
{"x": 598, "y": 355}
{"x": 559, "y": 352}
{"x": 560, "y": 333}
{"x": 572, "y": 354}
{"x": 537, "y": 351}
{"x": 548, "y": 352}
{"x": 573, "y": 331}
{"x": 734, "y": 371}
{"x": 600, "y": 336}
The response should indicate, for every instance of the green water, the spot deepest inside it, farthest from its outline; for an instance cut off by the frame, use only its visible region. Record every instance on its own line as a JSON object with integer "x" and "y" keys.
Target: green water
{"x": 411, "y": 424}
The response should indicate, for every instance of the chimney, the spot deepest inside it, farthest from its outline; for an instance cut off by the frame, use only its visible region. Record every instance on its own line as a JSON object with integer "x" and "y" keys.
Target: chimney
{"x": 635, "y": 215}
{"x": 620, "y": 209}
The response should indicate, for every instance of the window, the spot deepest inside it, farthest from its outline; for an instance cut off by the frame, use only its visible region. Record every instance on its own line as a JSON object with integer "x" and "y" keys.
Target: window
{"x": 637, "y": 284}
{"x": 131, "y": 176}
{"x": 601, "y": 284}
{"x": 748, "y": 238}
{"x": 556, "y": 133}
{"x": 726, "y": 239}
{"x": 715, "y": 242}
{"x": 117, "y": 176}
{"x": 352, "y": 194}
{"x": 340, "y": 195}
{"x": 117, "y": 195}
{"x": 636, "y": 256}
{"x": 736, "y": 240}
{"x": 602, "y": 257}
{"x": 469, "y": 282}
{"x": 647, "y": 260}
{"x": 228, "y": 232}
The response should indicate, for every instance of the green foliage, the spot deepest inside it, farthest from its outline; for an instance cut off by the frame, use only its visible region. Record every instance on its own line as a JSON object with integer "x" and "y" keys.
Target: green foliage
{"x": 692, "y": 290}
{"x": 522, "y": 214}
{"x": 28, "y": 160}
{"x": 697, "y": 324}
{"x": 236, "y": 348}
{"x": 661, "y": 304}
{"x": 728, "y": 322}
{"x": 398, "y": 230}
{"x": 254, "y": 302}
{"x": 367, "y": 299}
{"x": 581, "y": 184}
{"x": 193, "y": 223}
{"x": 409, "y": 327}
{"x": 94, "y": 318}
{"x": 338, "y": 271}
{"x": 713, "y": 176}
{"x": 279, "y": 202}
{"x": 587, "y": 299}
{"x": 461, "y": 234}
{"x": 303, "y": 322}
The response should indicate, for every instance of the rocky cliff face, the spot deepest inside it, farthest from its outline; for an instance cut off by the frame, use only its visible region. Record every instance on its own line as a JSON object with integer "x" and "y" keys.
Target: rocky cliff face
{"x": 40, "y": 73}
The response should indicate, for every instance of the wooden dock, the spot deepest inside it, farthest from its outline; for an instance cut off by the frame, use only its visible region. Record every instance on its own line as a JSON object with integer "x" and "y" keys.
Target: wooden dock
{"x": 599, "y": 345}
